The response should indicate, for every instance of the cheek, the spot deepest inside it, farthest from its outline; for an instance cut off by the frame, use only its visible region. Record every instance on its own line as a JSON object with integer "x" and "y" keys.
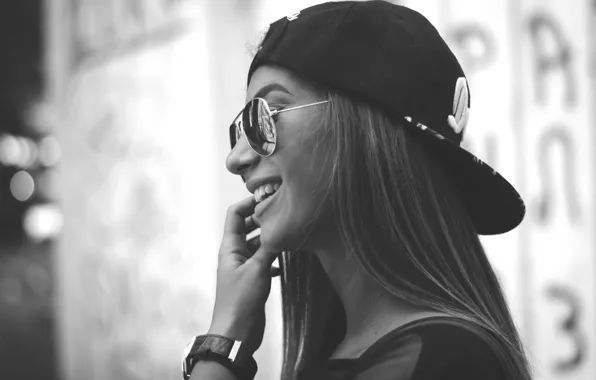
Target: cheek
{"x": 305, "y": 173}
{"x": 293, "y": 224}
{"x": 305, "y": 184}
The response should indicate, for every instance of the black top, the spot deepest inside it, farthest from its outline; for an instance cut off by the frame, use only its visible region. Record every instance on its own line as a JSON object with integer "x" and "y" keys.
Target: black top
{"x": 436, "y": 348}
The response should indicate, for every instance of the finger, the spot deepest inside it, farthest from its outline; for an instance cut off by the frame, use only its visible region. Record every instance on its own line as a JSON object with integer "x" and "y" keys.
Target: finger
{"x": 234, "y": 236}
{"x": 237, "y": 214}
{"x": 275, "y": 271}
{"x": 250, "y": 224}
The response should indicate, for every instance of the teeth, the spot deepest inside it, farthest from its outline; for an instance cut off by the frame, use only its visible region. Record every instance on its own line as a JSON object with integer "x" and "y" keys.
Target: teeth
{"x": 265, "y": 190}
{"x": 259, "y": 193}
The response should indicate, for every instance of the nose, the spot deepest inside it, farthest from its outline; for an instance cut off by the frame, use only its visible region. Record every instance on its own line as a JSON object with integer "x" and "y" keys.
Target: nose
{"x": 241, "y": 157}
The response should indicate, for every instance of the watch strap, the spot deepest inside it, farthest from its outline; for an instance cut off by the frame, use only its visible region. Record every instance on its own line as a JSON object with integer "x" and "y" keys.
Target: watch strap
{"x": 229, "y": 352}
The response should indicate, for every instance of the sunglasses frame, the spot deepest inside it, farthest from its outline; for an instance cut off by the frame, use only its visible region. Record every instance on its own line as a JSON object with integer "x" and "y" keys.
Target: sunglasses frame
{"x": 271, "y": 114}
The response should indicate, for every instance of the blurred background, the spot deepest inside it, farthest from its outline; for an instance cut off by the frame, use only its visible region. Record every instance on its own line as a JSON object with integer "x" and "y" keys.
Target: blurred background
{"x": 113, "y": 190}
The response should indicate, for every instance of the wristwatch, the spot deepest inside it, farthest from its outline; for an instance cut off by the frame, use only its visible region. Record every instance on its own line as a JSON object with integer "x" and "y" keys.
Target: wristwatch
{"x": 230, "y": 353}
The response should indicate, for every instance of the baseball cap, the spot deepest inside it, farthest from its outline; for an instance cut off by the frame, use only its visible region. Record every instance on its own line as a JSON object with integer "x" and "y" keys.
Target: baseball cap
{"x": 393, "y": 58}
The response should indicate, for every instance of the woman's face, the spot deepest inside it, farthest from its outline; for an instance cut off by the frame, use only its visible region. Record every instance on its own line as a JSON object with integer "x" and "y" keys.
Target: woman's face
{"x": 297, "y": 165}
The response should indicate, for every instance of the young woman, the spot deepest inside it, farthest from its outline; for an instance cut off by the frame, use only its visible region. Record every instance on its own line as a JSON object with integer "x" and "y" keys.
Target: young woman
{"x": 350, "y": 144}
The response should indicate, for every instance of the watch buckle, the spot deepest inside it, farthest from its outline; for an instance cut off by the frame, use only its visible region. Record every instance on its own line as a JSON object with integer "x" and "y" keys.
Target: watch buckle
{"x": 234, "y": 350}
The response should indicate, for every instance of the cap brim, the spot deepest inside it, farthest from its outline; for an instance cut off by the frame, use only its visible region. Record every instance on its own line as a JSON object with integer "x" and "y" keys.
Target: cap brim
{"x": 492, "y": 202}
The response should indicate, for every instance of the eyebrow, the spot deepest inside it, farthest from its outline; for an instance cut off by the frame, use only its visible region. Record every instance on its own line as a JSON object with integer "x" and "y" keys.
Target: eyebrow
{"x": 269, "y": 88}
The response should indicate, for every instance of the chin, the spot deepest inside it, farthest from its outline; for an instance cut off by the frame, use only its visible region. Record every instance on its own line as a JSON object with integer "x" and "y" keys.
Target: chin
{"x": 279, "y": 237}
{"x": 286, "y": 228}
{"x": 287, "y": 242}
{"x": 274, "y": 240}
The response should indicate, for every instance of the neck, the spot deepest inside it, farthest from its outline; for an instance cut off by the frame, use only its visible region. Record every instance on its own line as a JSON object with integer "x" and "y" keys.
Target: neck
{"x": 370, "y": 310}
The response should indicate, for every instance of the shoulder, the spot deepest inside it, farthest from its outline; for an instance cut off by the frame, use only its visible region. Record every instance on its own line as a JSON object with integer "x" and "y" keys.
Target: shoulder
{"x": 434, "y": 349}
{"x": 454, "y": 348}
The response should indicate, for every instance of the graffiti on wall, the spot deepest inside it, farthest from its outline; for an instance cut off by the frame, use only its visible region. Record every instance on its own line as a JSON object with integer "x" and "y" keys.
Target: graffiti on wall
{"x": 553, "y": 128}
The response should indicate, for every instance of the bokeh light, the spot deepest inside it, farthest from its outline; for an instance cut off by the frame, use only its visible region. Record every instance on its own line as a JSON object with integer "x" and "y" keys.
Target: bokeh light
{"x": 43, "y": 221}
{"x": 10, "y": 150}
{"x": 22, "y": 186}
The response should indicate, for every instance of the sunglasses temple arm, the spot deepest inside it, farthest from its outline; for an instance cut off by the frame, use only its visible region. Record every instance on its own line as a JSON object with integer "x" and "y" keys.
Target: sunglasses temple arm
{"x": 275, "y": 112}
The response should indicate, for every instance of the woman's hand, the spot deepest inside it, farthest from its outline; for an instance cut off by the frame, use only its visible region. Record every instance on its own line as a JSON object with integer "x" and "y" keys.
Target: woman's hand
{"x": 243, "y": 280}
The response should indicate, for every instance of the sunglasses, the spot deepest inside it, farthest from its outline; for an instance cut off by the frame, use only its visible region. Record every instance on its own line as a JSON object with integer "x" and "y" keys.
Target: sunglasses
{"x": 256, "y": 123}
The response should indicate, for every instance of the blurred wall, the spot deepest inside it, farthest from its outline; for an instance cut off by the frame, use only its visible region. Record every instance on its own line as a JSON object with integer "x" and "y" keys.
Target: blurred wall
{"x": 142, "y": 93}
{"x": 130, "y": 84}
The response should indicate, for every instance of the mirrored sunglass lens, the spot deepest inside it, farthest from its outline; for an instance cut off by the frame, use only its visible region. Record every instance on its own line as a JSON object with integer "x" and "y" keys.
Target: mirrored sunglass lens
{"x": 259, "y": 126}
{"x": 235, "y": 131}
{"x": 233, "y": 138}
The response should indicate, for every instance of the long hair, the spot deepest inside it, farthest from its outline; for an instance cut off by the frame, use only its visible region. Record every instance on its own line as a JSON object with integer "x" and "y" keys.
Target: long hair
{"x": 404, "y": 223}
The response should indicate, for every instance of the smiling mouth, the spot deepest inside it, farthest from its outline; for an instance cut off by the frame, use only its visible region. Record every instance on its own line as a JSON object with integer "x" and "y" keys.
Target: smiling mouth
{"x": 268, "y": 197}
